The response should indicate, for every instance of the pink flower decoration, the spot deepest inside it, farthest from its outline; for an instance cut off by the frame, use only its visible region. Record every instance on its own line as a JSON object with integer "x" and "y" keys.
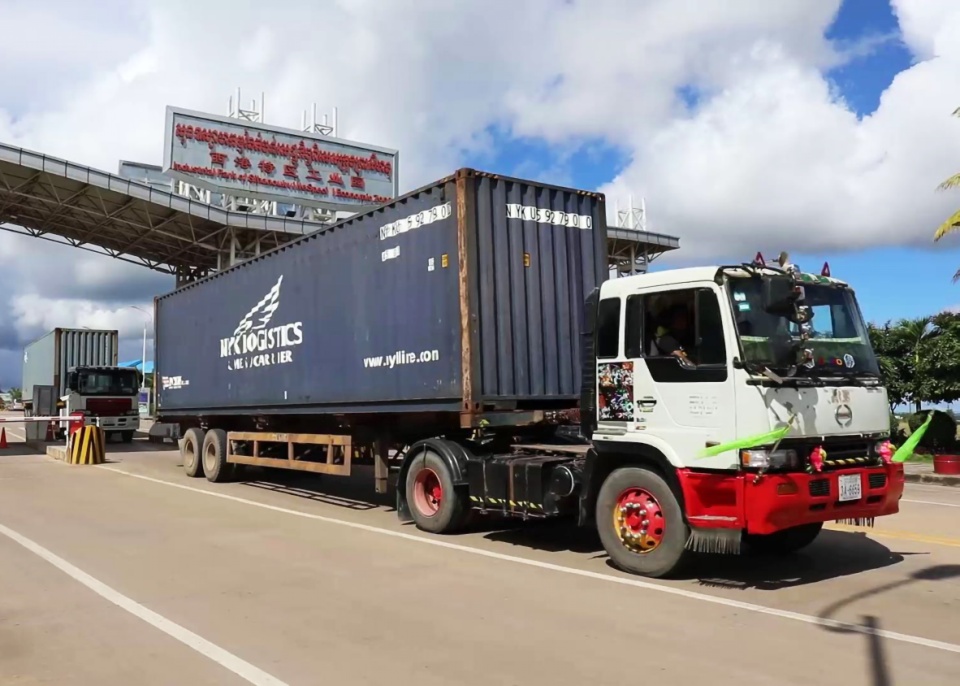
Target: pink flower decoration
{"x": 886, "y": 452}
{"x": 817, "y": 455}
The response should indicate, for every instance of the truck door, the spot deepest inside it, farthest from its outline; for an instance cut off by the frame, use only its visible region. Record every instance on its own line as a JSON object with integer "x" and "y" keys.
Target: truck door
{"x": 685, "y": 399}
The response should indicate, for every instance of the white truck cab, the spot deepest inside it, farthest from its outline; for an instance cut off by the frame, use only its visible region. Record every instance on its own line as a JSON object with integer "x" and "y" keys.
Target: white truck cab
{"x": 753, "y": 393}
{"x": 110, "y": 394}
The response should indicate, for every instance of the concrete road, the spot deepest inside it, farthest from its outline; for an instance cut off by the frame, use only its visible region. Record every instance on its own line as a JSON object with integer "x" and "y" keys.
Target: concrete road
{"x": 132, "y": 573}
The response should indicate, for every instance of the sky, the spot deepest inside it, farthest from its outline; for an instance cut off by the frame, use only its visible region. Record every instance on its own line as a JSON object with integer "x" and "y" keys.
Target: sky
{"x": 820, "y": 127}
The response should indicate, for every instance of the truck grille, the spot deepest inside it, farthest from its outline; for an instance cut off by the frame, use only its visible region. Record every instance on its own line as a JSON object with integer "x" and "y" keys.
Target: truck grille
{"x": 820, "y": 488}
{"x": 842, "y": 453}
{"x": 878, "y": 480}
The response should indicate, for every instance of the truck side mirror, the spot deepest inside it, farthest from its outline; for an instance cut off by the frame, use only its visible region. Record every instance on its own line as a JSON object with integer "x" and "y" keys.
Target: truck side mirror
{"x": 781, "y": 296}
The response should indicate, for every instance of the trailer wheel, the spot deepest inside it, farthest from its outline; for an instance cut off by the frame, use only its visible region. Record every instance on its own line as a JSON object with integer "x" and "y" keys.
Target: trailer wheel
{"x": 215, "y": 464}
{"x": 190, "y": 452}
{"x": 641, "y": 523}
{"x": 435, "y": 504}
{"x": 785, "y": 541}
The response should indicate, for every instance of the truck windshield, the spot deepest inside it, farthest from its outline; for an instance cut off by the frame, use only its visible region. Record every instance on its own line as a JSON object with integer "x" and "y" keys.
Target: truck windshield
{"x": 108, "y": 382}
{"x": 840, "y": 343}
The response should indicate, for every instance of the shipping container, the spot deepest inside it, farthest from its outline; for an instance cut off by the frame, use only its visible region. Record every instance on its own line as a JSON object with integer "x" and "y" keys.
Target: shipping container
{"x": 47, "y": 359}
{"x": 463, "y": 296}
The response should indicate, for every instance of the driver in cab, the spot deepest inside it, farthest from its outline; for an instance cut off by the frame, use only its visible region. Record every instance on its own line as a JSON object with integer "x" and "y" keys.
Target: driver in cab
{"x": 668, "y": 336}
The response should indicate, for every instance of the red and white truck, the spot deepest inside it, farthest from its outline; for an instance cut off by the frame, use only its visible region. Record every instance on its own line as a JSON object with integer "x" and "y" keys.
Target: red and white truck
{"x": 81, "y": 366}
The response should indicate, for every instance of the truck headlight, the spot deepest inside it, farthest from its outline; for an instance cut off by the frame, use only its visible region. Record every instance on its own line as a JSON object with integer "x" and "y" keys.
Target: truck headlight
{"x": 769, "y": 459}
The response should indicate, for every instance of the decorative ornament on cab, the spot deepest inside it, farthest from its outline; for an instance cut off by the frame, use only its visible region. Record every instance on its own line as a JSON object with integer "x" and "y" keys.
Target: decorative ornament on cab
{"x": 817, "y": 456}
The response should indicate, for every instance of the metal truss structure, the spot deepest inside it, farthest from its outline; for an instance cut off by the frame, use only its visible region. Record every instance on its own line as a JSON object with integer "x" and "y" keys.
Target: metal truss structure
{"x": 59, "y": 201}
{"x": 184, "y": 235}
{"x": 630, "y": 247}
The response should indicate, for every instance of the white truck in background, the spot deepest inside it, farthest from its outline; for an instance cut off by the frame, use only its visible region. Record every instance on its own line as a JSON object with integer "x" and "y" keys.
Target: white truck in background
{"x": 81, "y": 366}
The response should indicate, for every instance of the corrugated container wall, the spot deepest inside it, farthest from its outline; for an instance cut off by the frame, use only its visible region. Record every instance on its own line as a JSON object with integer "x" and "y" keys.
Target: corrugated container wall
{"x": 462, "y": 294}
{"x": 47, "y": 360}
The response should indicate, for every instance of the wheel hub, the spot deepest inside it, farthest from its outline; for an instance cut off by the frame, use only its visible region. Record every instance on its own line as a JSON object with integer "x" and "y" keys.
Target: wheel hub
{"x": 428, "y": 492}
{"x": 638, "y": 520}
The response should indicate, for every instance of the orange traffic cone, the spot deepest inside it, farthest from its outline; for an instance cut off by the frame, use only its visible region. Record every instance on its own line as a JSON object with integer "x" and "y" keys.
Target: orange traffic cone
{"x": 3, "y": 437}
{"x": 49, "y": 438}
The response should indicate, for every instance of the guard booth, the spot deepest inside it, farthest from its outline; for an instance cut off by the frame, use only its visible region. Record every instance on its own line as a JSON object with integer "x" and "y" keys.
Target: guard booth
{"x": 44, "y": 405}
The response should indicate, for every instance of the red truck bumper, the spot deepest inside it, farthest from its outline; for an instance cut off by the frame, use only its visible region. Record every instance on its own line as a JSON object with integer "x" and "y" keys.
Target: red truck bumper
{"x": 780, "y": 501}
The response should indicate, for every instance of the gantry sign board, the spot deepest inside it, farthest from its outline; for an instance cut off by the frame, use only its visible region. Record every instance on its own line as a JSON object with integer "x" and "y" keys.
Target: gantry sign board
{"x": 247, "y": 159}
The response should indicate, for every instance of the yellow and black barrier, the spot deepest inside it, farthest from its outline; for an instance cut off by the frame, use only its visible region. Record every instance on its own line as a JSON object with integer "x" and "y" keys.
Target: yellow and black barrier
{"x": 87, "y": 446}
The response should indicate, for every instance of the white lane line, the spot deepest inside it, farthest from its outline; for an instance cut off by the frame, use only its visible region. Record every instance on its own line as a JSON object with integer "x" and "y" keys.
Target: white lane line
{"x": 930, "y": 488}
{"x": 929, "y": 502}
{"x": 624, "y": 581}
{"x": 16, "y": 434}
{"x": 241, "y": 668}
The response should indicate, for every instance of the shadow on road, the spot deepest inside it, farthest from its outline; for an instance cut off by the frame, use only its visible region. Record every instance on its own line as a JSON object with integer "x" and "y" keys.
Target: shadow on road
{"x": 552, "y": 536}
{"x": 877, "y": 662}
{"x": 352, "y": 493}
{"x": 834, "y": 554}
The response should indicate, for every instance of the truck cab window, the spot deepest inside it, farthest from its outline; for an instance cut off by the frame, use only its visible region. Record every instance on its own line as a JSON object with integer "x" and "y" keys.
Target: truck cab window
{"x": 608, "y": 328}
{"x": 633, "y": 328}
{"x": 710, "y": 345}
{"x": 108, "y": 382}
{"x": 684, "y": 324}
{"x": 670, "y": 330}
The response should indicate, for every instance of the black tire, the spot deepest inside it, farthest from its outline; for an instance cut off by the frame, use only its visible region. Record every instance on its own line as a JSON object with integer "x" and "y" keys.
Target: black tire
{"x": 214, "y": 456}
{"x": 785, "y": 541}
{"x": 671, "y": 553}
{"x": 126, "y": 436}
{"x": 452, "y": 512}
{"x": 190, "y": 452}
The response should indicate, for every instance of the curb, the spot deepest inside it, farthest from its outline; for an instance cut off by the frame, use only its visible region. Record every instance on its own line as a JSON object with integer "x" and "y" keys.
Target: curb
{"x": 932, "y": 479}
{"x": 57, "y": 452}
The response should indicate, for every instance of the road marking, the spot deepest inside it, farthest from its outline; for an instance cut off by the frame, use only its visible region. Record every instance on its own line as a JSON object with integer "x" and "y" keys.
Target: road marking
{"x": 929, "y": 502}
{"x": 597, "y": 576}
{"x": 241, "y": 668}
{"x": 901, "y": 535}
{"x": 929, "y": 488}
{"x": 16, "y": 434}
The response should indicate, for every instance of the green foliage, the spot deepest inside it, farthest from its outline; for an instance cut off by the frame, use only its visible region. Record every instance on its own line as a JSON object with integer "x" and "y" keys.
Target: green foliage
{"x": 952, "y": 223}
{"x": 920, "y": 359}
{"x": 942, "y": 432}
{"x": 16, "y": 393}
{"x": 894, "y": 359}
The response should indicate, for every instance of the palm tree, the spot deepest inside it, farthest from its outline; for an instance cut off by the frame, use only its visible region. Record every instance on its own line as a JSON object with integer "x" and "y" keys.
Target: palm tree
{"x": 953, "y": 222}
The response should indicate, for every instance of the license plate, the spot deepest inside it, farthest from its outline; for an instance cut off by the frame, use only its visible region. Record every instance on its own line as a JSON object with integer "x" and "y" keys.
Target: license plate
{"x": 851, "y": 487}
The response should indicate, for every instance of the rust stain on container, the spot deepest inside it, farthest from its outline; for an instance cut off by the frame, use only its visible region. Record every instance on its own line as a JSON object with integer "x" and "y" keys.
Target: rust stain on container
{"x": 464, "y": 283}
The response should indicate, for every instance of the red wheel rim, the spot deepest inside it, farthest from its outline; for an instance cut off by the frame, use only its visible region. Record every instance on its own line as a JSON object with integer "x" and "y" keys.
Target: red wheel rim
{"x": 638, "y": 520}
{"x": 427, "y": 492}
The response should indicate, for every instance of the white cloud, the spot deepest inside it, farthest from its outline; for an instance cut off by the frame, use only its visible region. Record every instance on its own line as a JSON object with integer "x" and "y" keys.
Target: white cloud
{"x": 929, "y": 27}
{"x": 35, "y": 315}
{"x": 771, "y": 153}
{"x": 780, "y": 158}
